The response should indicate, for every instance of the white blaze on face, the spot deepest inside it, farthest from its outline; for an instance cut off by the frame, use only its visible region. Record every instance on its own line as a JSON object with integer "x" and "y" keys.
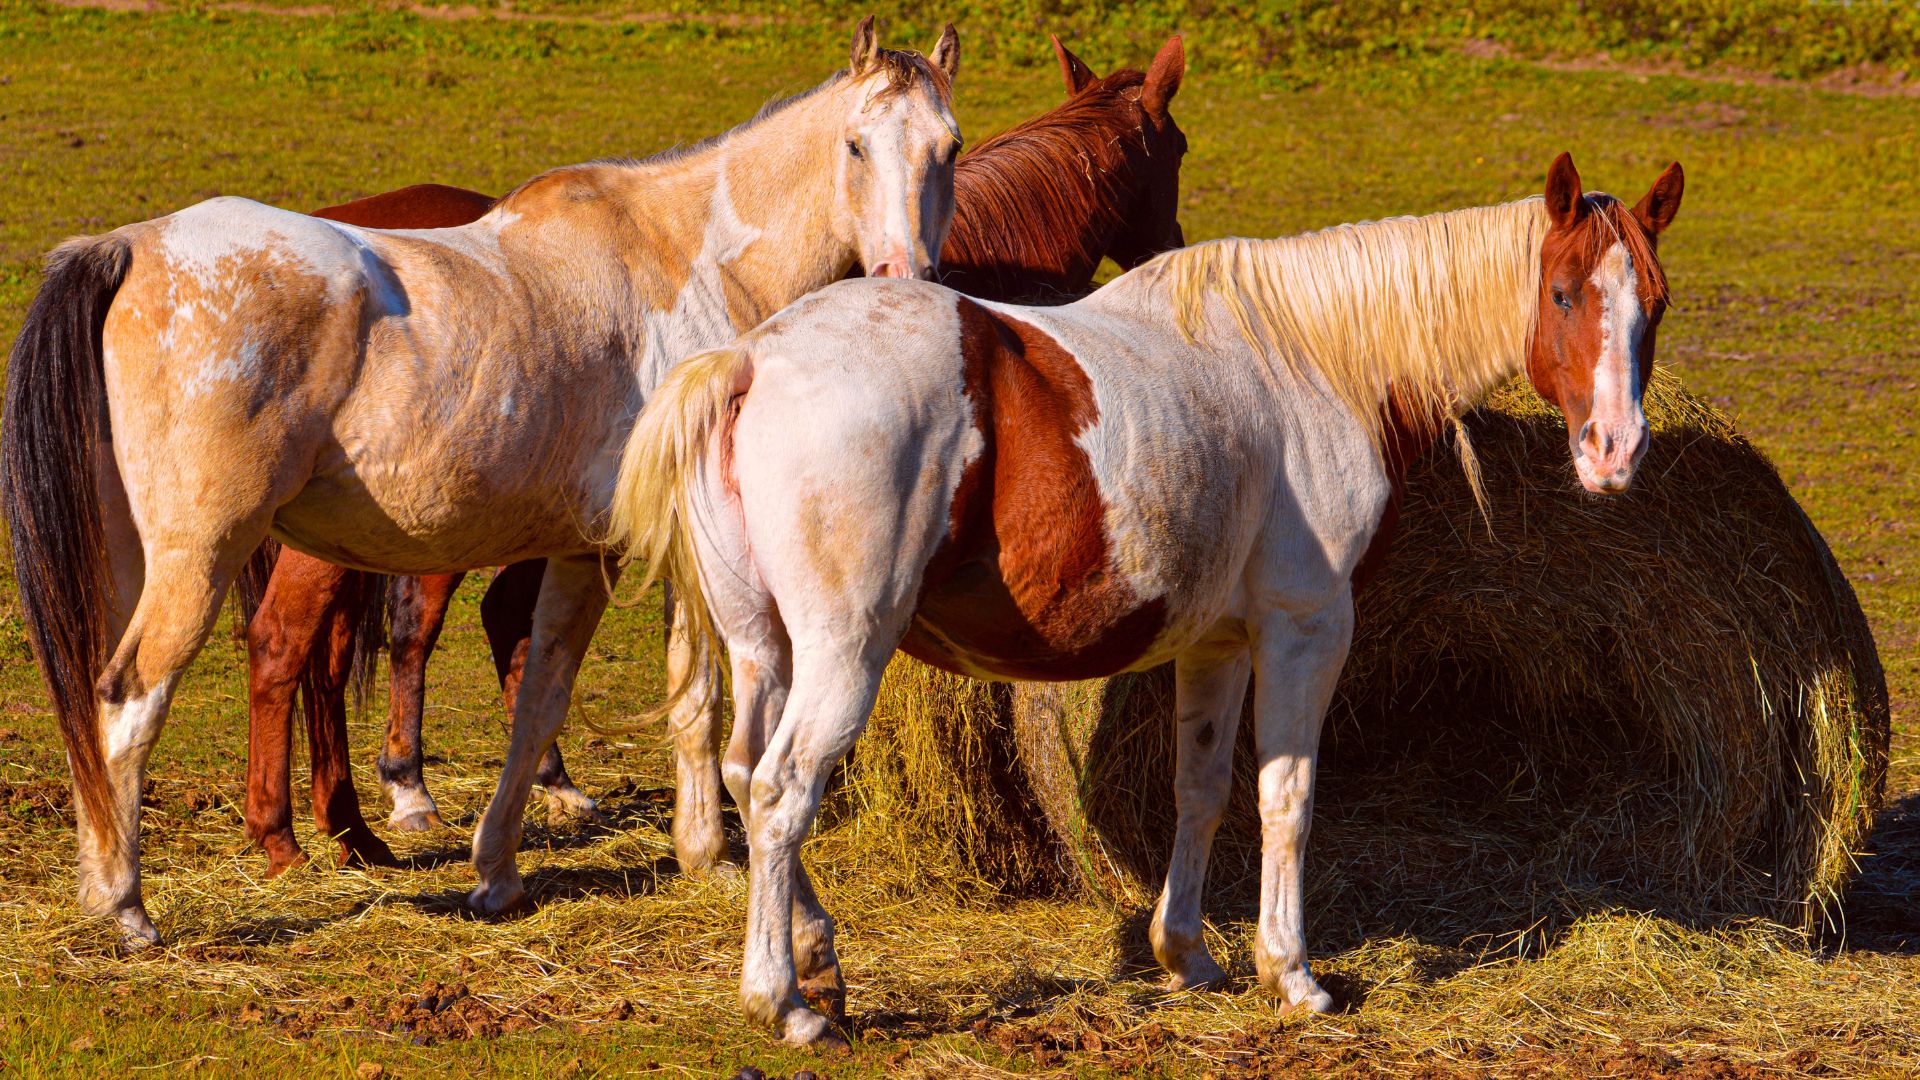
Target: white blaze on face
{"x": 901, "y": 142}
{"x": 1615, "y": 436}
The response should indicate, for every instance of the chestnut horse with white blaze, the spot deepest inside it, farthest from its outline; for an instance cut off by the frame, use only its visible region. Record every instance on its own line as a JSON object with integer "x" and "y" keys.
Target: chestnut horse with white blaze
{"x": 1035, "y": 210}
{"x": 408, "y": 402}
{"x": 1187, "y": 465}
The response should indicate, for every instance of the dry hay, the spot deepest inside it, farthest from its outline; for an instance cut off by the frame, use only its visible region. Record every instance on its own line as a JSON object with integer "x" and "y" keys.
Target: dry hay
{"x": 1665, "y": 702}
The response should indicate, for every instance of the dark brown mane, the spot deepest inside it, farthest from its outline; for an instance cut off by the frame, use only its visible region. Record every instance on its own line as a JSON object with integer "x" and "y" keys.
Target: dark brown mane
{"x": 1617, "y": 222}
{"x": 1036, "y": 205}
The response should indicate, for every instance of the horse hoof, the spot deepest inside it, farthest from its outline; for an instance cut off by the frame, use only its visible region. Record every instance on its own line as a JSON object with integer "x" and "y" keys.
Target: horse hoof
{"x": 1199, "y": 977}
{"x": 1319, "y": 1001}
{"x": 826, "y": 992}
{"x": 137, "y": 932}
{"x": 1303, "y": 994}
{"x": 804, "y": 1027}
{"x": 417, "y": 821}
{"x": 499, "y": 898}
{"x": 715, "y": 871}
{"x": 572, "y": 804}
{"x": 365, "y": 851}
{"x": 280, "y": 862}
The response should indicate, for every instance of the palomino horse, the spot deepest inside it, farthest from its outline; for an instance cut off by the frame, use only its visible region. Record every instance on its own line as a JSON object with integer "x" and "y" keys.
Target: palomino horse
{"x": 1035, "y": 210}
{"x": 311, "y": 625}
{"x": 1186, "y": 465}
{"x": 408, "y": 402}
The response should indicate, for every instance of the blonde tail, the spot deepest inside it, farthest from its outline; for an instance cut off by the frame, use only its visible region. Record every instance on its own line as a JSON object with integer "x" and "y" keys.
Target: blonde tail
{"x": 652, "y": 513}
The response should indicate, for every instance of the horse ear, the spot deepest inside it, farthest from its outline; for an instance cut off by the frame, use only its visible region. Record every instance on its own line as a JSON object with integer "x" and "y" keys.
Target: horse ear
{"x": 946, "y": 52}
{"x": 1163, "y": 77}
{"x": 1073, "y": 70}
{"x": 1656, "y": 209}
{"x": 866, "y": 46}
{"x": 1566, "y": 202}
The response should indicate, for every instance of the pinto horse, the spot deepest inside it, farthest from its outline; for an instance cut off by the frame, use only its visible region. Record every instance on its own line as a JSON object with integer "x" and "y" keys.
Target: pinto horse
{"x": 1036, "y": 208}
{"x": 1187, "y": 465}
{"x": 408, "y": 402}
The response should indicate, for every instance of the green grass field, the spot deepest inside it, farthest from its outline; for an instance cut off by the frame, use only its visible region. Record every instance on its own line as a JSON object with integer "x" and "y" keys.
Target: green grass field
{"x": 1795, "y": 265}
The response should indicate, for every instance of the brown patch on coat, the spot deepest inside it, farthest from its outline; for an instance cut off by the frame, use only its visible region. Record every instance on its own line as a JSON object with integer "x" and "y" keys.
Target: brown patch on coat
{"x": 1024, "y": 586}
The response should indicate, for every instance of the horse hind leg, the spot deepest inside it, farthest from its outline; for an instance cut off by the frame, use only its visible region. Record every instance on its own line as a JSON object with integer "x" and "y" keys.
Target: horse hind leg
{"x": 292, "y": 619}
{"x": 699, "y": 830}
{"x": 184, "y": 582}
{"x": 336, "y": 804}
{"x": 419, "y": 606}
{"x": 762, "y": 676}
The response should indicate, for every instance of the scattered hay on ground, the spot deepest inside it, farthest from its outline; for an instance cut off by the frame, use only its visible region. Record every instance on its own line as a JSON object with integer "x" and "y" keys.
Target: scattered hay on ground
{"x": 1470, "y": 920}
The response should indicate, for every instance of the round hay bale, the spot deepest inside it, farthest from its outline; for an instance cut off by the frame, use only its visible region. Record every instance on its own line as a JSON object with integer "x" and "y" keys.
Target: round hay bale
{"x": 932, "y": 789}
{"x": 1669, "y": 700}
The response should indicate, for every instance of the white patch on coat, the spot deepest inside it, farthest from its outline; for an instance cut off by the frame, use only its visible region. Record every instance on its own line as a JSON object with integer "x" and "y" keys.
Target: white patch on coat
{"x": 241, "y": 365}
{"x": 202, "y": 240}
{"x": 699, "y": 318}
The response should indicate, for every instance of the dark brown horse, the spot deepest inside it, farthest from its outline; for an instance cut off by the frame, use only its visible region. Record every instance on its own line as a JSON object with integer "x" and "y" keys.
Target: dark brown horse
{"x": 1036, "y": 210}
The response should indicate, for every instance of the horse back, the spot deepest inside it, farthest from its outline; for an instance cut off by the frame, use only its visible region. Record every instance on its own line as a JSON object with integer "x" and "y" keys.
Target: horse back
{"x": 421, "y": 206}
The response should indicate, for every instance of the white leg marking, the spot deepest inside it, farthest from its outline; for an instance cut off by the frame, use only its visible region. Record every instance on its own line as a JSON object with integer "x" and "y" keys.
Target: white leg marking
{"x": 1210, "y": 686}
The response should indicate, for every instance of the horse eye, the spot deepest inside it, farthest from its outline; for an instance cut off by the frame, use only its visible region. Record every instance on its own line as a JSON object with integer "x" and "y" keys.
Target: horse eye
{"x": 1560, "y": 298}
{"x": 853, "y": 147}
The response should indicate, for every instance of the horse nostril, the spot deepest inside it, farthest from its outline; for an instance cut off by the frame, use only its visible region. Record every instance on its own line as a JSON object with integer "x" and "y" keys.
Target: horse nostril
{"x": 1596, "y": 440}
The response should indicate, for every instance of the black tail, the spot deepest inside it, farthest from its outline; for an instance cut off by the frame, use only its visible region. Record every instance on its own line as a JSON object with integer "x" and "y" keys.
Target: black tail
{"x": 250, "y": 588}
{"x": 52, "y": 441}
{"x": 369, "y": 633}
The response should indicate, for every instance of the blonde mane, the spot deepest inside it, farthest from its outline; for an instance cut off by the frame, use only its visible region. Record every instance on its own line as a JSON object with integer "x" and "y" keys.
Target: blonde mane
{"x": 1434, "y": 311}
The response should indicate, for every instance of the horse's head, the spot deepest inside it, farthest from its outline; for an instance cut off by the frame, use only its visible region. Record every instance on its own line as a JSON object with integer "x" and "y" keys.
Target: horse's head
{"x": 1150, "y": 225}
{"x": 1602, "y": 295}
{"x": 896, "y": 143}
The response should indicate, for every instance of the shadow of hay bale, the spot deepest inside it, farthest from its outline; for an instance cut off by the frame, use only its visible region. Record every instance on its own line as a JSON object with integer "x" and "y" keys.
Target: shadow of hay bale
{"x": 1668, "y": 701}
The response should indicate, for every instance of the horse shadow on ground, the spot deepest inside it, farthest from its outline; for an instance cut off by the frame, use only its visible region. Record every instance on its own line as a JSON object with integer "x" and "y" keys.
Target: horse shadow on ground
{"x": 621, "y": 811}
{"x": 1883, "y": 906}
{"x": 548, "y": 884}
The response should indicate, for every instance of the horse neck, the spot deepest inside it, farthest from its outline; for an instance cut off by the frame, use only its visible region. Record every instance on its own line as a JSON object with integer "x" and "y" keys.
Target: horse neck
{"x": 763, "y": 198}
{"x": 1430, "y": 314}
{"x": 1029, "y": 218}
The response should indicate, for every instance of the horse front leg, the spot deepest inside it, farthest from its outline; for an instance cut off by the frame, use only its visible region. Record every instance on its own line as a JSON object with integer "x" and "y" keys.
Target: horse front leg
{"x": 573, "y": 595}
{"x": 293, "y": 618}
{"x": 1297, "y": 661}
{"x": 1210, "y": 684}
{"x": 419, "y": 610}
